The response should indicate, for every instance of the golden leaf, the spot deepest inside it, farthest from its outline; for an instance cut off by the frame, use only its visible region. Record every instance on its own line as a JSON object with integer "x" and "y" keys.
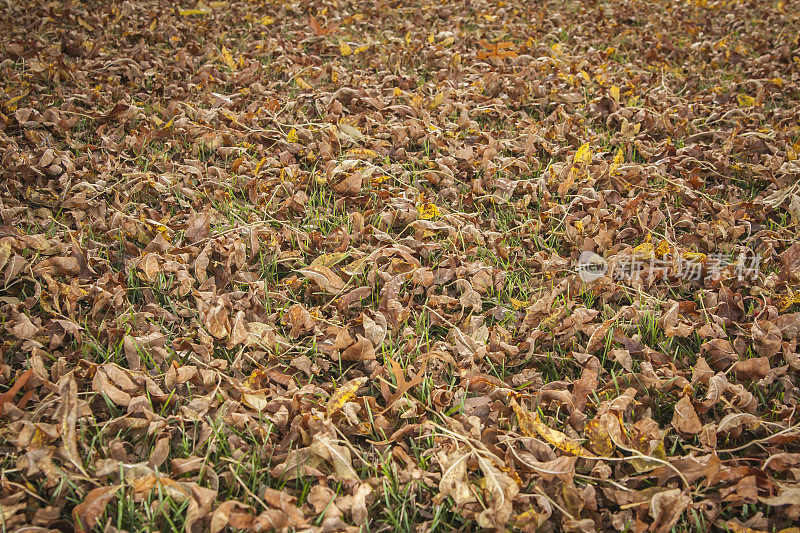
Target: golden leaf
{"x": 345, "y": 49}
{"x": 599, "y": 439}
{"x": 517, "y": 304}
{"x": 428, "y": 211}
{"x": 328, "y": 260}
{"x": 583, "y": 155}
{"x": 558, "y": 439}
{"x": 525, "y": 420}
{"x": 261, "y": 164}
{"x": 303, "y": 84}
{"x": 228, "y": 58}
{"x": 644, "y": 251}
{"x": 343, "y": 395}
{"x": 745, "y": 100}
{"x": 201, "y": 10}
{"x": 618, "y": 159}
{"x": 437, "y": 101}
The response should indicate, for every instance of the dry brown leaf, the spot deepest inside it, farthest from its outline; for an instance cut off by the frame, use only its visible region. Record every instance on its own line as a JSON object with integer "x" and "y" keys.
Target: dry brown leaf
{"x": 217, "y": 321}
{"x": 500, "y": 490}
{"x": 86, "y": 513}
{"x": 666, "y": 508}
{"x": 685, "y": 418}
{"x": 454, "y": 482}
{"x": 326, "y": 278}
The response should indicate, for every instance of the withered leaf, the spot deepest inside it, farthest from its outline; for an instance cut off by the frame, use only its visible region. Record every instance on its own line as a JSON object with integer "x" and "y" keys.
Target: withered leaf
{"x": 326, "y": 278}
{"x": 454, "y": 482}
{"x": 500, "y": 490}
{"x": 86, "y": 513}
{"x": 198, "y": 227}
{"x": 685, "y": 418}
{"x": 666, "y": 508}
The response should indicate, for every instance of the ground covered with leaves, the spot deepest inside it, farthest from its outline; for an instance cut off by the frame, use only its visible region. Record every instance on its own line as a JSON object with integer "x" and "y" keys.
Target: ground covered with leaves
{"x": 399, "y": 266}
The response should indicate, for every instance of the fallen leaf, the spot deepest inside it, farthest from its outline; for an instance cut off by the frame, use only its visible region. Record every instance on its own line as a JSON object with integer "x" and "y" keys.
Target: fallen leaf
{"x": 343, "y": 395}
{"x": 558, "y": 439}
{"x": 685, "y": 419}
{"x": 86, "y": 514}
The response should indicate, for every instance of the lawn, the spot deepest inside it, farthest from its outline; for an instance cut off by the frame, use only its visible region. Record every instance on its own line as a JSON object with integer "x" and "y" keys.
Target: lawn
{"x": 399, "y": 266}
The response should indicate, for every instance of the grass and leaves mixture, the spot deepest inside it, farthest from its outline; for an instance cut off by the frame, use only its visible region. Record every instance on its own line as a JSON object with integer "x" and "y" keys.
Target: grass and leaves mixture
{"x": 399, "y": 265}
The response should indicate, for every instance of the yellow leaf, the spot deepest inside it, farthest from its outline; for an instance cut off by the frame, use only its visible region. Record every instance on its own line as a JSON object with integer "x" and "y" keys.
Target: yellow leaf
{"x": 345, "y": 49}
{"x": 614, "y": 93}
{"x": 397, "y": 92}
{"x": 599, "y": 439}
{"x": 663, "y": 249}
{"x": 788, "y": 300}
{"x": 550, "y": 321}
{"x": 618, "y": 159}
{"x": 644, "y": 464}
{"x": 292, "y": 136}
{"x": 644, "y": 250}
{"x": 303, "y": 84}
{"x": 430, "y": 39}
{"x": 437, "y": 101}
{"x": 583, "y": 155}
{"x": 343, "y": 395}
{"x": 525, "y": 420}
{"x": 227, "y": 113}
{"x": 360, "y": 49}
{"x": 426, "y": 209}
{"x": 89, "y": 27}
{"x": 12, "y": 101}
{"x": 448, "y": 41}
{"x": 558, "y": 439}
{"x": 328, "y": 260}
{"x": 259, "y": 165}
{"x": 517, "y": 304}
{"x": 361, "y": 153}
{"x": 193, "y": 12}
{"x": 746, "y": 100}
{"x": 228, "y": 58}
{"x": 266, "y": 20}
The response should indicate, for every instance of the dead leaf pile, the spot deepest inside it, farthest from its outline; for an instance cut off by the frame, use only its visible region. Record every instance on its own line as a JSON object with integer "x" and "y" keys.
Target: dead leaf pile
{"x": 322, "y": 266}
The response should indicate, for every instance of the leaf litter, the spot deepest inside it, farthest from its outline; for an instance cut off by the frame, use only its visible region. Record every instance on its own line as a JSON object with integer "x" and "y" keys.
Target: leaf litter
{"x": 333, "y": 266}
